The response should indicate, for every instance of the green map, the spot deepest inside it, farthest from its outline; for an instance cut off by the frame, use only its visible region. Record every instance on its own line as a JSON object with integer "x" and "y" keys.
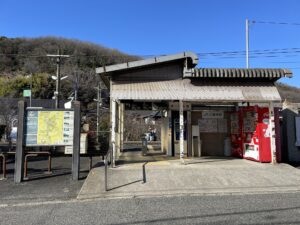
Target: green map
{"x": 49, "y": 128}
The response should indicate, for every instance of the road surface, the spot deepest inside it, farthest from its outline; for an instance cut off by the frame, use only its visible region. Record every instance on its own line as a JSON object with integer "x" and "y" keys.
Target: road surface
{"x": 238, "y": 209}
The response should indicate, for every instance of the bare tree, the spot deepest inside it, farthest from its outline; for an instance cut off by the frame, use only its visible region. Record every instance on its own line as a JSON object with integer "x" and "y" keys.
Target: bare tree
{"x": 8, "y": 112}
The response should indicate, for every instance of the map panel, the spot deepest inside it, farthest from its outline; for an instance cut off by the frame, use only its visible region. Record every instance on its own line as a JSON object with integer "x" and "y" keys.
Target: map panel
{"x": 49, "y": 128}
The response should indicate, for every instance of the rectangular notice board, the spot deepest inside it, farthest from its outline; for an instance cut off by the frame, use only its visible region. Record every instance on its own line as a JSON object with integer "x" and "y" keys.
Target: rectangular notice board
{"x": 49, "y": 127}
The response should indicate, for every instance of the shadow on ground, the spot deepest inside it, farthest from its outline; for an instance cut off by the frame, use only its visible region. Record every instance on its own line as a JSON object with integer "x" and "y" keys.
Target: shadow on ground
{"x": 42, "y": 186}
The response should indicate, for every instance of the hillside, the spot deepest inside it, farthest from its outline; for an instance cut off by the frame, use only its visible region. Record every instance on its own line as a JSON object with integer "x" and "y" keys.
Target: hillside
{"x": 26, "y": 56}
{"x": 24, "y": 61}
{"x": 290, "y": 93}
{"x": 23, "y": 55}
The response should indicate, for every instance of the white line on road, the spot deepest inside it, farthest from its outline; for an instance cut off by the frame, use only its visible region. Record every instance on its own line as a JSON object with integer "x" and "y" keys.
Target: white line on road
{"x": 97, "y": 199}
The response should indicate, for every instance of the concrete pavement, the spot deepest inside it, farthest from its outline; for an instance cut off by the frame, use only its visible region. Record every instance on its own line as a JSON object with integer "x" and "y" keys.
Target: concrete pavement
{"x": 202, "y": 176}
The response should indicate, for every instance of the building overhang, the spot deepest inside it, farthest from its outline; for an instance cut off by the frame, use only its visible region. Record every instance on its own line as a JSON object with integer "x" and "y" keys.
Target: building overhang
{"x": 196, "y": 90}
{"x": 192, "y": 61}
{"x": 185, "y": 59}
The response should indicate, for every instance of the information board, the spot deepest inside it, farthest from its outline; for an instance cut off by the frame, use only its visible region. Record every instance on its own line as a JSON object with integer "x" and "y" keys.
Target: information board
{"x": 26, "y": 93}
{"x": 250, "y": 121}
{"x": 208, "y": 125}
{"x": 235, "y": 126}
{"x": 222, "y": 126}
{"x": 212, "y": 125}
{"x": 212, "y": 114}
{"x": 49, "y": 128}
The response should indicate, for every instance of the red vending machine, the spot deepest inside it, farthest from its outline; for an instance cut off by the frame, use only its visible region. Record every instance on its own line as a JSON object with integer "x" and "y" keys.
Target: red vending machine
{"x": 236, "y": 134}
{"x": 256, "y": 134}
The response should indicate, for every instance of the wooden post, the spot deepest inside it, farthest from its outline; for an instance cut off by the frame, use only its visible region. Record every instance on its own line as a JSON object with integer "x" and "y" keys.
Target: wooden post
{"x": 76, "y": 142}
{"x": 272, "y": 133}
{"x": 20, "y": 151}
{"x": 181, "y": 127}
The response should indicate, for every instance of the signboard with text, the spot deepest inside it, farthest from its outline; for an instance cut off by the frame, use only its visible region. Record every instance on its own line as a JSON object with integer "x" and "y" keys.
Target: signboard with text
{"x": 212, "y": 114}
{"x": 26, "y": 93}
{"x": 49, "y": 128}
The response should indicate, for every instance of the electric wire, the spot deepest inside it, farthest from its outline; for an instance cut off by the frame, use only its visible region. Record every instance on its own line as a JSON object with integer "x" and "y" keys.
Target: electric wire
{"x": 263, "y": 52}
{"x": 274, "y": 23}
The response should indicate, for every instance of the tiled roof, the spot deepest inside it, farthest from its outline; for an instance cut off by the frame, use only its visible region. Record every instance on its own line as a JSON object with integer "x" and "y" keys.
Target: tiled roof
{"x": 240, "y": 73}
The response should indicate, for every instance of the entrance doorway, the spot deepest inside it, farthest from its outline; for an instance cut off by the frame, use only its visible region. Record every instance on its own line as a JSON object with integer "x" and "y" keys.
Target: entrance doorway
{"x": 211, "y": 132}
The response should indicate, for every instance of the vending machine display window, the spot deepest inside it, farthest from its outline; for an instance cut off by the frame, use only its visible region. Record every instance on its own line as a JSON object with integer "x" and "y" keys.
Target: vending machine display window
{"x": 250, "y": 121}
{"x": 236, "y": 135}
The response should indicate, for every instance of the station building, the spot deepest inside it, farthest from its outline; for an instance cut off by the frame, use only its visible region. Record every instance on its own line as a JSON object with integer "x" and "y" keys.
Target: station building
{"x": 206, "y": 111}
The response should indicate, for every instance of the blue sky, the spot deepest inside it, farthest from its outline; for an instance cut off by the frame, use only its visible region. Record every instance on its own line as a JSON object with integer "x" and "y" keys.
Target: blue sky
{"x": 156, "y": 27}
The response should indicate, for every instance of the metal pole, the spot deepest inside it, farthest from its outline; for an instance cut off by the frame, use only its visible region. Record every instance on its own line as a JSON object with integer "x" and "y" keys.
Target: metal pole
{"x": 247, "y": 43}
{"x": 98, "y": 109}
{"x": 105, "y": 175}
{"x": 30, "y": 89}
{"x": 76, "y": 87}
{"x": 144, "y": 173}
{"x": 99, "y": 104}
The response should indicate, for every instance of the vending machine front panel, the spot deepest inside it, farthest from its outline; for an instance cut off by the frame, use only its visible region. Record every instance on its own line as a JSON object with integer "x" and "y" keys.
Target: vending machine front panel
{"x": 236, "y": 135}
{"x": 264, "y": 135}
{"x": 250, "y": 133}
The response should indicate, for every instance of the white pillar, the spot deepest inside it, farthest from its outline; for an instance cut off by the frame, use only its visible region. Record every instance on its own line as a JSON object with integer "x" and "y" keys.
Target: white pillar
{"x": 181, "y": 127}
{"x": 272, "y": 133}
{"x": 122, "y": 106}
{"x": 169, "y": 134}
{"x": 113, "y": 131}
{"x": 118, "y": 127}
{"x": 162, "y": 134}
{"x": 189, "y": 137}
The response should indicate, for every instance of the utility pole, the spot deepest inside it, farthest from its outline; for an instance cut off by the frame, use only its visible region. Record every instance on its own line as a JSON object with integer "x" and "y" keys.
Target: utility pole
{"x": 247, "y": 43}
{"x": 30, "y": 89}
{"x": 76, "y": 86}
{"x": 99, "y": 104}
{"x": 56, "y": 93}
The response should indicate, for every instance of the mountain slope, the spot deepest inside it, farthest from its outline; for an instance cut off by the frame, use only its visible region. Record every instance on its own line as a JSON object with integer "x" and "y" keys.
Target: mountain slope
{"x": 287, "y": 92}
{"x": 23, "y": 55}
{"x": 28, "y": 56}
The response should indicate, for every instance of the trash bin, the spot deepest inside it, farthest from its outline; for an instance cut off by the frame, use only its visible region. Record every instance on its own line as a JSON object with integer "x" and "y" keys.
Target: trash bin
{"x": 144, "y": 146}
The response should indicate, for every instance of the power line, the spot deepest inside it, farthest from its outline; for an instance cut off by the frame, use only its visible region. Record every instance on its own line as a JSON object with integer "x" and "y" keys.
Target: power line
{"x": 274, "y": 23}
{"x": 223, "y": 53}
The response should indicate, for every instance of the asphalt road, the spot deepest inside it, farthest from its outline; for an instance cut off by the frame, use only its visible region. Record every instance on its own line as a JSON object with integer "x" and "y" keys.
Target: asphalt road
{"x": 44, "y": 187}
{"x": 246, "y": 209}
